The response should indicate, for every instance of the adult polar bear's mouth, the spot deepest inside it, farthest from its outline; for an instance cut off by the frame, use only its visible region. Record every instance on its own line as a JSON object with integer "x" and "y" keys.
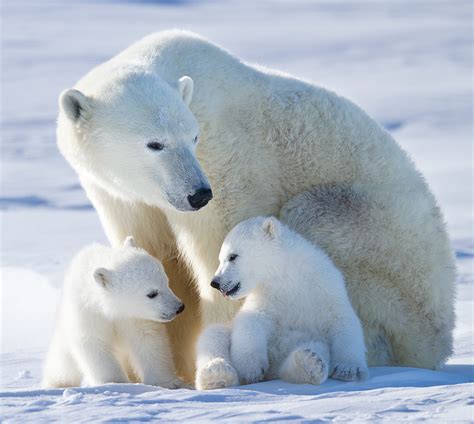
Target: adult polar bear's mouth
{"x": 233, "y": 290}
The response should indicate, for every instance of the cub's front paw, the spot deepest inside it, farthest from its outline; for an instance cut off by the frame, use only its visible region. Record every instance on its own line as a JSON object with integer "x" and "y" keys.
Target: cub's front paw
{"x": 216, "y": 374}
{"x": 350, "y": 372}
{"x": 250, "y": 368}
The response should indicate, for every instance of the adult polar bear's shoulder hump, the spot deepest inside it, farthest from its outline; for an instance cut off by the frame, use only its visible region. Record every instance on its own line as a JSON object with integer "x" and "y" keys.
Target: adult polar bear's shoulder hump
{"x": 269, "y": 144}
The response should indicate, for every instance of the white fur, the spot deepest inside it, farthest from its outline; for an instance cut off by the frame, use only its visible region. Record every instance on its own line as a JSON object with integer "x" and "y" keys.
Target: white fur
{"x": 270, "y": 144}
{"x": 296, "y": 323}
{"x": 108, "y": 329}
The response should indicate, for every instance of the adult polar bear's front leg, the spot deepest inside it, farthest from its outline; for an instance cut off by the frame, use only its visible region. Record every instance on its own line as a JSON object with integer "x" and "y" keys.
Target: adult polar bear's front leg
{"x": 390, "y": 244}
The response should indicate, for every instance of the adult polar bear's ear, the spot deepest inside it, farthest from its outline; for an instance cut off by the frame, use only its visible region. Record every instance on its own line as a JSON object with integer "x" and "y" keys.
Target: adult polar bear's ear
{"x": 129, "y": 242}
{"x": 186, "y": 88}
{"x": 75, "y": 104}
{"x": 102, "y": 276}
{"x": 270, "y": 227}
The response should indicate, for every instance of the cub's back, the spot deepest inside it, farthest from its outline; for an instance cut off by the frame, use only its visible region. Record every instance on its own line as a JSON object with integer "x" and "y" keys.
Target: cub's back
{"x": 312, "y": 290}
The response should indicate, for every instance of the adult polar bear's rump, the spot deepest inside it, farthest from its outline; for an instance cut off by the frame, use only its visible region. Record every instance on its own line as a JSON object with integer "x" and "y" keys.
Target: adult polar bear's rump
{"x": 269, "y": 144}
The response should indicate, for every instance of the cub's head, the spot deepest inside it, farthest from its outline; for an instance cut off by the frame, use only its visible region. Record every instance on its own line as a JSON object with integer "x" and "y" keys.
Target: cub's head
{"x": 134, "y": 285}
{"x": 136, "y": 138}
{"x": 251, "y": 254}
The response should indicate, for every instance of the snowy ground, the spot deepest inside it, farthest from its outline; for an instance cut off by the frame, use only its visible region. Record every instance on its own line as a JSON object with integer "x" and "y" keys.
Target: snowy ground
{"x": 408, "y": 63}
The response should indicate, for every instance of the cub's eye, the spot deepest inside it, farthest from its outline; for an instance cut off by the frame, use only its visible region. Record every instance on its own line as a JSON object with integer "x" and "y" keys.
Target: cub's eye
{"x": 154, "y": 145}
{"x": 152, "y": 294}
{"x": 232, "y": 257}
{"x": 195, "y": 139}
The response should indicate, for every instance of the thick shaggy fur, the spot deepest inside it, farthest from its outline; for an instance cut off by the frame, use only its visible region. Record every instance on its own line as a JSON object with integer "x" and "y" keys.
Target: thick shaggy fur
{"x": 270, "y": 144}
{"x": 108, "y": 328}
{"x": 296, "y": 323}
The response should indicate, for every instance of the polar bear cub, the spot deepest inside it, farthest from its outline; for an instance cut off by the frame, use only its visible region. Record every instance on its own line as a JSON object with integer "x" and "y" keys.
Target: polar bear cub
{"x": 109, "y": 323}
{"x": 296, "y": 322}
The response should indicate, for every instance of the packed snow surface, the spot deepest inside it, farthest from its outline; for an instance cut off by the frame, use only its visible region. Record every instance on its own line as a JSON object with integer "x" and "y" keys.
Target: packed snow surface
{"x": 407, "y": 63}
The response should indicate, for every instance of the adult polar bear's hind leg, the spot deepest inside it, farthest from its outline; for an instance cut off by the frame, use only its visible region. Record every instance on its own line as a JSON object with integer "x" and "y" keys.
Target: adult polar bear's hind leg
{"x": 395, "y": 269}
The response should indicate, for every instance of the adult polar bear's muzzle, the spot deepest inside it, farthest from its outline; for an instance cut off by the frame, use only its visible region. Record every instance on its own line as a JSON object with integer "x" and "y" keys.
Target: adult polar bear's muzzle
{"x": 194, "y": 202}
{"x": 188, "y": 188}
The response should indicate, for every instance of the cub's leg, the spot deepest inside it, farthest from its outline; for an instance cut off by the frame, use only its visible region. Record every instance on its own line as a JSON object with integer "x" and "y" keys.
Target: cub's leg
{"x": 214, "y": 370}
{"x": 149, "y": 352}
{"x": 98, "y": 362}
{"x": 249, "y": 345}
{"x": 60, "y": 368}
{"x": 307, "y": 364}
{"x": 348, "y": 361}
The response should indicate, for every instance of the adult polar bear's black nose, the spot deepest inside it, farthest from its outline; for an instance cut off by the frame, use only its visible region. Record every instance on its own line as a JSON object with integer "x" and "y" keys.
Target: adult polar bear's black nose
{"x": 200, "y": 198}
{"x": 215, "y": 284}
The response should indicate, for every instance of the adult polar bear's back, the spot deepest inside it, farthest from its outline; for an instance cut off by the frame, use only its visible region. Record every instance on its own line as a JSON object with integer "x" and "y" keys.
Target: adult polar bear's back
{"x": 273, "y": 144}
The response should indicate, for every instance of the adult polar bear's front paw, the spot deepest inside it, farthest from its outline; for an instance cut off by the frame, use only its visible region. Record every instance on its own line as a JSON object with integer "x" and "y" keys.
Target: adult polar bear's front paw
{"x": 350, "y": 372}
{"x": 216, "y": 374}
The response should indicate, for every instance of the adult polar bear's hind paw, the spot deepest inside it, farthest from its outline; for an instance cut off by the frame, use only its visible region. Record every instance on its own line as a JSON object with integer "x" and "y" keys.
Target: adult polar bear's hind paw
{"x": 216, "y": 374}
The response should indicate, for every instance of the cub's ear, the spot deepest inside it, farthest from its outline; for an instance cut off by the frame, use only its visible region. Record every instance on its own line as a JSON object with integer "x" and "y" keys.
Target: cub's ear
{"x": 102, "y": 277}
{"x": 129, "y": 242}
{"x": 75, "y": 104}
{"x": 186, "y": 87}
{"x": 270, "y": 227}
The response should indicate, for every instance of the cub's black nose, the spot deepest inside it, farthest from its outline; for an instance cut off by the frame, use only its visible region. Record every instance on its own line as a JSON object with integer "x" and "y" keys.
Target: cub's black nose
{"x": 181, "y": 309}
{"x": 215, "y": 284}
{"x": 200, "y": 198}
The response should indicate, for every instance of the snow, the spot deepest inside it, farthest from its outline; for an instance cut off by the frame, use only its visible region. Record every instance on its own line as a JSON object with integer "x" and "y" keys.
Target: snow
{"x": 409, "y": 64}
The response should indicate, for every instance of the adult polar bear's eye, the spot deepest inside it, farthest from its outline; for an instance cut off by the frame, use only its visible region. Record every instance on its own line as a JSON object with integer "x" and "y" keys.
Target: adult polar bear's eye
{"x": 232, "y": 257}
{"x": 152, "y": 294}
{"x": 155, "y": 145}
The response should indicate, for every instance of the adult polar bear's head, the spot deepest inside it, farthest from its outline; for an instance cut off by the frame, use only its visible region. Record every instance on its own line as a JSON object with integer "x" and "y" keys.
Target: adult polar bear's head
{"x": 135, "y": 136}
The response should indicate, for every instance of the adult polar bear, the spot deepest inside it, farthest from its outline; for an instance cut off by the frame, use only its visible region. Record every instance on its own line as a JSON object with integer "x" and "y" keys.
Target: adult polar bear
{"x": 270, "y": 144}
